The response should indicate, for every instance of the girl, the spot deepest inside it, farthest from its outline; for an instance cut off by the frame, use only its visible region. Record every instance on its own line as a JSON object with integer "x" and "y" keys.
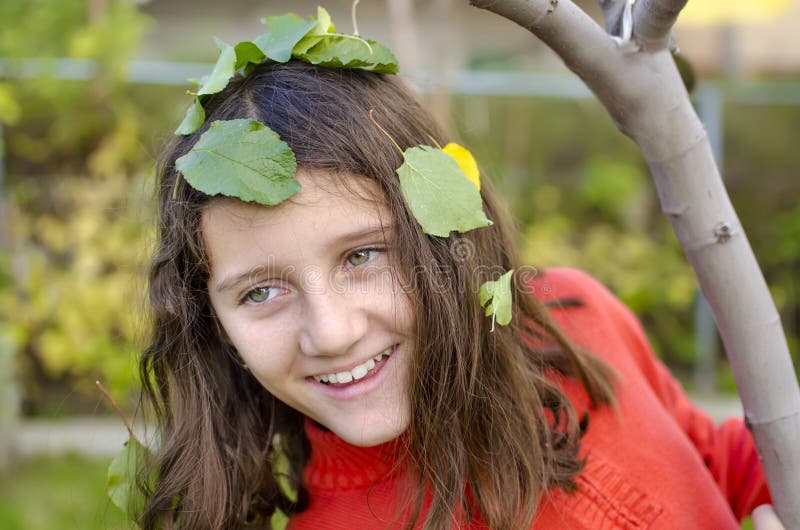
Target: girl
{"x": 327, "y": 358}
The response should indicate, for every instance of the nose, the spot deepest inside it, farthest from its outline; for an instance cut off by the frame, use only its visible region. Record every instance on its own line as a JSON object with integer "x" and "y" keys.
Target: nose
{"x": 332, "y": 322}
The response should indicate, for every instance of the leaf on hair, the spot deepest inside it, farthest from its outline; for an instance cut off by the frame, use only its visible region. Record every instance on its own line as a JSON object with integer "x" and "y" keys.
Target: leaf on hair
{"x": 195, "y": 116}
{"x": 351, "y": 52}
{"x": 247, "y": 53}
{"x": 465, "y": 161}
{"x": 438, "y": 192}
{"x": 223, "y": 70}
{"x": 244, "y": 159}
{"x": 323, "y": 27}
{"x": 285, "y": 31}
{"x": 495, "y": 296}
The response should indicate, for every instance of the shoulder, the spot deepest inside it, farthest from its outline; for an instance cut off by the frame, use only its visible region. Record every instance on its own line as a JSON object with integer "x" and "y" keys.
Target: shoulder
{"x": 561, "y": 282}
{"x": 592, "y": 316}
{"x": 562, "y": 288}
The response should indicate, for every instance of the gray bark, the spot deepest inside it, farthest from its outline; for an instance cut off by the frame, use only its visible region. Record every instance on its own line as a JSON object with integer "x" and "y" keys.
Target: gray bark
{"x": 640, "y": 87}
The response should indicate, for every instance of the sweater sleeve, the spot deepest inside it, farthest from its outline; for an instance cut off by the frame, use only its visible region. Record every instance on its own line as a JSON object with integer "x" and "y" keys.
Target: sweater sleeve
{"x": 727, "y": 449}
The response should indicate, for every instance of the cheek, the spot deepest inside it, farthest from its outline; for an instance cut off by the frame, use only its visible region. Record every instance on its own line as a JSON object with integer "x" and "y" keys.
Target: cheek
{"x": 272, "y": 364}
{"x": 388, "y": 297}
{"x": 266, "y": 349}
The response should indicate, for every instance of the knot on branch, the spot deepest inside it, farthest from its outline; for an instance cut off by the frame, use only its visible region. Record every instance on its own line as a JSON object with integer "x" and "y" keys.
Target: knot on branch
{"x": 723, "y": 232}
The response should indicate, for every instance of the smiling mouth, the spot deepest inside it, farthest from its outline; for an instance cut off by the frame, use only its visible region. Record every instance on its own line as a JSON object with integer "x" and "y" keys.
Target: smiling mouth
{"x": 356, "y": 373}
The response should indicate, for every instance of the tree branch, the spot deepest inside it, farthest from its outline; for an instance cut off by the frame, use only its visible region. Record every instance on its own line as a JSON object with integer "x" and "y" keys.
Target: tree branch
{"x": 653, "y": 21}
{"x": 583, "y": 45}
{"x": 644, "y": 94}
{"x": 612, "y": 13}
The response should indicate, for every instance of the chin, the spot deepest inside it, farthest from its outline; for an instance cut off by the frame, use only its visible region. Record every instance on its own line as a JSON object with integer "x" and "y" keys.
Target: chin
{"x": 376, "y": 435}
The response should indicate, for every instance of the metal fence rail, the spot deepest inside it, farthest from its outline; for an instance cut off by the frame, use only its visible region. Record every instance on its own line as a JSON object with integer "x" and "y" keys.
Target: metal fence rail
{"x": 476, "y": 82}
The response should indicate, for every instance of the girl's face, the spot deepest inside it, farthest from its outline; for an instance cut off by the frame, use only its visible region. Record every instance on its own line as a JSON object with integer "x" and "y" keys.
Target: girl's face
{"x": 306, "y": 294}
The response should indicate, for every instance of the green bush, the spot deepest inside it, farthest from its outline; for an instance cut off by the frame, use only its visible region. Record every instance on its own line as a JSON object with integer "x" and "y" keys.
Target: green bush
{"x": 78, "y": 157}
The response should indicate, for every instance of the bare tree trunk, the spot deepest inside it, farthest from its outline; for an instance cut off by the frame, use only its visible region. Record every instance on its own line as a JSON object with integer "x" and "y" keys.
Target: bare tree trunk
{"x": 96, "y": 9}
{"x": 640, "y": 87}
{"x": 448, "y": 60}
{"x": 404, "y": 37}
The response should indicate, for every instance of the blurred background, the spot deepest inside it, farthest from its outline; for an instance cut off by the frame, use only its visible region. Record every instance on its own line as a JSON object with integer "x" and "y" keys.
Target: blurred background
{"x": 89, "y": 90}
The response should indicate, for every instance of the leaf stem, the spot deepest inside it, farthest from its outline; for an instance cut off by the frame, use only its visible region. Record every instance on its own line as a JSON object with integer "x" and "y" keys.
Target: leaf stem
{"x": 354, "y": 37}
{"x": 432, "y": 139}
{"x": 353, "y": 15}
{"x": 175, "y": 187}
{"x": 389, "y": 136}
{"x": 118, "y": 410}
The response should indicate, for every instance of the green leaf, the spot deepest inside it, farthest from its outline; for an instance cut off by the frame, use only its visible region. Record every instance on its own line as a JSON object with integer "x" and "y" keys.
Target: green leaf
{"x": 497, "y": 294}
{"x": 122, "y": 474}
{"x": 323, "y": 27}
{"x": 195, "y": 116}
{"x": 247, "y": 53}
{"x": 351, "y": 52}
{"x": 222, "y": 72}
{"x": 284, "y": 33}
{"x": 438, "y": 193}
{"x": 242, "y": 158}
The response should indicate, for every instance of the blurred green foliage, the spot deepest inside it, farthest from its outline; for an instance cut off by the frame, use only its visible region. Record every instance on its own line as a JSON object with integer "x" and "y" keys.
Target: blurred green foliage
{"x": 64, "y": 492}
{"x": 79, "y": 158}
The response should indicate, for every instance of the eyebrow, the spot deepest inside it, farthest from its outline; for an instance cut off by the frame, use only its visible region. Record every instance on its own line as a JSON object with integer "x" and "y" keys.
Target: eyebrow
{"x": 341, "y": 240}
{"x": 358, "y": 235}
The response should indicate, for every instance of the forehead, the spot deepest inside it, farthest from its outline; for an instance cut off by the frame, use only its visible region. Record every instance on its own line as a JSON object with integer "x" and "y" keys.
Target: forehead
{"x": 327, "y": 207}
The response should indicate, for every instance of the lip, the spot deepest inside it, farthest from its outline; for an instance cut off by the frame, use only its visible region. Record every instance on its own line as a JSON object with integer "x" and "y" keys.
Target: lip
{"x": 353, "y": 365}
{"x": 362, "y": 386}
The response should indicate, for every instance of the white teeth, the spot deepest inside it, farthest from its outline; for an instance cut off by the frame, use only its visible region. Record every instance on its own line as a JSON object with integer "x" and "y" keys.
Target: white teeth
{"x": 344, "y": 377}
{"x": 359, "y": 372}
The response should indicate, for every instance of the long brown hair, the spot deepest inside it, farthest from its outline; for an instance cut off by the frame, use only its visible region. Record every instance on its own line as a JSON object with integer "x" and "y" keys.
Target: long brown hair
{"x": 478, "y": 397}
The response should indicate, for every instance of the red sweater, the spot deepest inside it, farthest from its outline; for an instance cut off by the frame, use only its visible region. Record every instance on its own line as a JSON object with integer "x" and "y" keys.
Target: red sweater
{"x": 661, "y": 463}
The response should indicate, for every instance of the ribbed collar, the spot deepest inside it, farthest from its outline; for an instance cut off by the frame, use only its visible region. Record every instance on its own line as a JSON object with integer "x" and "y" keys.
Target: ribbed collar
{"x": 337, "y": 465}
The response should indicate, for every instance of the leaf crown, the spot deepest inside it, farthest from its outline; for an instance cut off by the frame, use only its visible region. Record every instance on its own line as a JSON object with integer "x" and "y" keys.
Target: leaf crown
{"x": 244, "y": 158}
{"x": 313, "y": 40}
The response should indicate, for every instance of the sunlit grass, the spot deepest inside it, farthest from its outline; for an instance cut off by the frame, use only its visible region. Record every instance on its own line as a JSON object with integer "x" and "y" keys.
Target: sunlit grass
{"x": 58, "y": 493}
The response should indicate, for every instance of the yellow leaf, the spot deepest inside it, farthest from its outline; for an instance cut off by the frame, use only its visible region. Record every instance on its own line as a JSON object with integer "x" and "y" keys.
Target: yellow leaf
{"x": 465, "y": 161}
